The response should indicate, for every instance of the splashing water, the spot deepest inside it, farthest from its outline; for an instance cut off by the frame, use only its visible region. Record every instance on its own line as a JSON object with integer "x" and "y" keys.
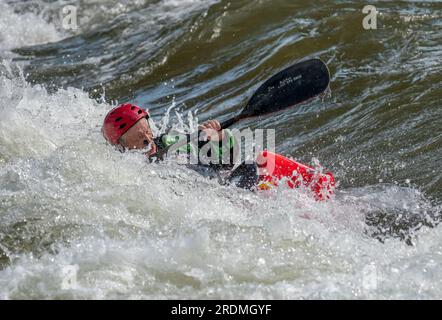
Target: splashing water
{"x": 133, "y": 229}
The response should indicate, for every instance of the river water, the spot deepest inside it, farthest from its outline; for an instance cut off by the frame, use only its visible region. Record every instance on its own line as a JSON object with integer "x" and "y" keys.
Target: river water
{"x": 71, "y": 207}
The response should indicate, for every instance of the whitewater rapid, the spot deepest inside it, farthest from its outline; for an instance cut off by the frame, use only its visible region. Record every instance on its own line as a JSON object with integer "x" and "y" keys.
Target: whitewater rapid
{"x": 136, "y": 230}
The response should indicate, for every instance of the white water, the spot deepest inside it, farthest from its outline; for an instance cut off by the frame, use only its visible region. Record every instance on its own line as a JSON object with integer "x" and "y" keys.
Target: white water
{"x": 154, "y": 231}
{"x": 17, "y": 30}
{"x": 139, "y": 230}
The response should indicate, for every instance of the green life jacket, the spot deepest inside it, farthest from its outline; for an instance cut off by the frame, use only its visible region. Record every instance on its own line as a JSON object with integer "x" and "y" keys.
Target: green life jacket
{"x": 245, "y": 176}
{"x": 219, "y": 147}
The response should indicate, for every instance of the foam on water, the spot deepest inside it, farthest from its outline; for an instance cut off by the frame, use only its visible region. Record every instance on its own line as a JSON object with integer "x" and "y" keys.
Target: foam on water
{"x": 24, "y": 29}
{"x": 24, "y": 24}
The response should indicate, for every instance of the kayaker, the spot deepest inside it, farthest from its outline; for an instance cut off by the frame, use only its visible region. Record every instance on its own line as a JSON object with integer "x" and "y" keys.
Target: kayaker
{"x": 127, "y": 127}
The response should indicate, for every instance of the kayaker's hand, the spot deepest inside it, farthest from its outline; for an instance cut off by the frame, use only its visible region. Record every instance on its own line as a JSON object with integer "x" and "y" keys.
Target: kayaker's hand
{"x": 213, "y": 130}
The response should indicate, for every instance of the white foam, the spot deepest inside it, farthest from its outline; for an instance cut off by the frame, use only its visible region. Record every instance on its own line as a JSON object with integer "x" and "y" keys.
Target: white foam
{"x": 24, "y": 29}
{"x": 35, "y": 123}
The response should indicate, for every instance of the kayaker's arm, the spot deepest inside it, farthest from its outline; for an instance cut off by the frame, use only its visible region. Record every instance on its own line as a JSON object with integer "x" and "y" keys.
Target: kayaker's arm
{"x": 223, "y": 141}
{"x": 213, "y": 130}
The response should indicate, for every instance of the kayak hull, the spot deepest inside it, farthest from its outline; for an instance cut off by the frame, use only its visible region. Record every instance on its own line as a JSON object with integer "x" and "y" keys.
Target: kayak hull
{"x": 274, "y": 168}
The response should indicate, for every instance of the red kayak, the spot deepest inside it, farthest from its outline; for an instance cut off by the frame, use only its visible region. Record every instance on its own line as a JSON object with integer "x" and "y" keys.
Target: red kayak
{"x": 274, "y": 167}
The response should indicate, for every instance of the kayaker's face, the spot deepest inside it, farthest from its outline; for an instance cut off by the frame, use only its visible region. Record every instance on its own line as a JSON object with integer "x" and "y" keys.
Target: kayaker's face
{"x": 140, "y": 136}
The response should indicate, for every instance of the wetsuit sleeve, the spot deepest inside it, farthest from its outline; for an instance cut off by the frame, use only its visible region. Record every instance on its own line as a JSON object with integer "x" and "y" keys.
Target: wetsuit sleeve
{"x": 222, "y": 159}
{"x": 219, "y": 147}
{"x": 166, "y": 140}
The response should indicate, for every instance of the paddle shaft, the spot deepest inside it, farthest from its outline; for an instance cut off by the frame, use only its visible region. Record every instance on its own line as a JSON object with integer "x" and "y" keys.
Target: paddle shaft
{"x": 227, "y": 123}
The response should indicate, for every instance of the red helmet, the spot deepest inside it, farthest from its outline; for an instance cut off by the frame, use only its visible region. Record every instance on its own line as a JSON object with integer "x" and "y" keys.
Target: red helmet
{"x": 121, "y": 119}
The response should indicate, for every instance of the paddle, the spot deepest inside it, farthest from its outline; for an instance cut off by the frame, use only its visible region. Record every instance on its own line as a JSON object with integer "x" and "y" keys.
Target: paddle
{"x": 289, "y": 87}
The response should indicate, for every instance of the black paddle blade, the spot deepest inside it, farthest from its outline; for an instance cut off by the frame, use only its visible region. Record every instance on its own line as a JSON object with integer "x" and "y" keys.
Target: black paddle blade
{"x": 296, "y": 84}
